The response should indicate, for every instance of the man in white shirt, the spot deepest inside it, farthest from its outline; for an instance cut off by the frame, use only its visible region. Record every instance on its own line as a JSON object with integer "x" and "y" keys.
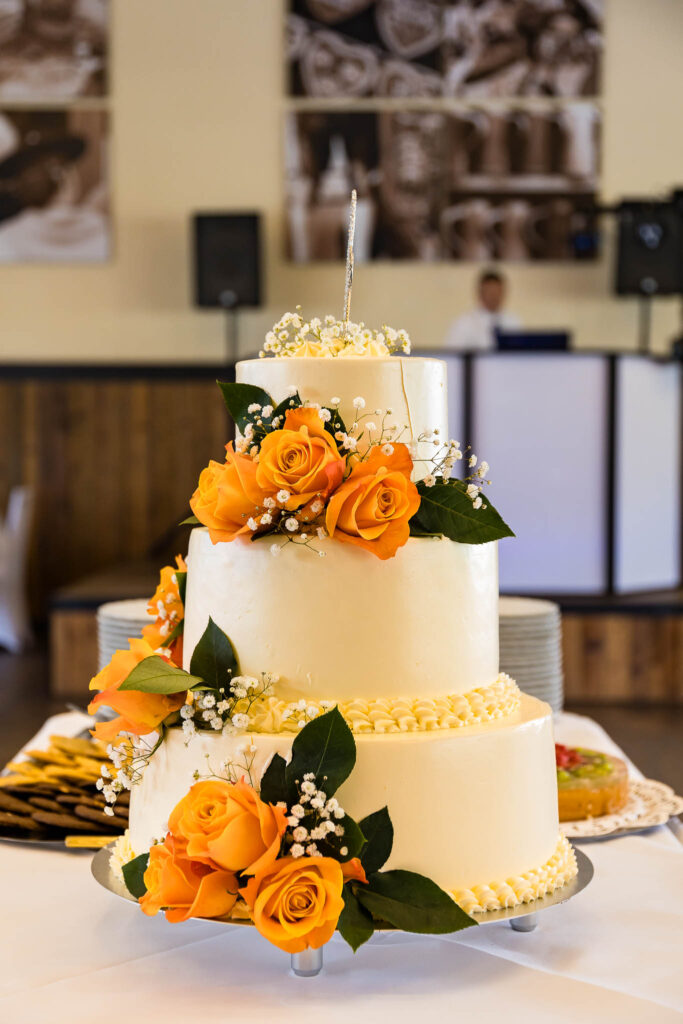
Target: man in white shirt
{"x": 477, "y": 329}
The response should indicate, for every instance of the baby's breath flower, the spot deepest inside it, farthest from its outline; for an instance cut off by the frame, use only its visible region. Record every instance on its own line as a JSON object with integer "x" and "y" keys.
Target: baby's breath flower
{"x": 358, "y": 402}
{"x": 297, "y": 850}
{"x": 335, "y": 401}
{"x": 325, "y": 415}
{"x": 292, "y": 524}
{"x": 283, "y": 496}
{"x": 429, "y": 480}
{"x": 275, "y": 549}
{"x": 388, "y": 449}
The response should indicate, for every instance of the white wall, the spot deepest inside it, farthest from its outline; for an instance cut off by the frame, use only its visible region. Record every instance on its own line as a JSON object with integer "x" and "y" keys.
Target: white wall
{"x": 197, "y": 115}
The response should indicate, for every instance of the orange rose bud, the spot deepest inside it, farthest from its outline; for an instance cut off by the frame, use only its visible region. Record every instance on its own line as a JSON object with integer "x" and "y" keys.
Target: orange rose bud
{"x": 373, "y": 507}
{"x": 184, "y": 888}
{"x": 140, "y": 713}
{"x": 229, "y": 825}
{"x": 353, "y": 871}
{"x": 296, "y": 903}
{"x": 228, "y": 495}
{"x": 168, "y": 612}
{"x": 302, "y": 458}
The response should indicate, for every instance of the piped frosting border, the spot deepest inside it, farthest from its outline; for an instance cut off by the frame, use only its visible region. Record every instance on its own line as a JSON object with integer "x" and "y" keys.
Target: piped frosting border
{"x": 394, "y": 715}
{"x": 531, "y": 885}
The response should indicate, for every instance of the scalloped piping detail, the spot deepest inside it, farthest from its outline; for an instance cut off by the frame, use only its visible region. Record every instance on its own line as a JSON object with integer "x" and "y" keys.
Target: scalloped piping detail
{"x": 552, "y": 875}
{"x": 394, "y": 715}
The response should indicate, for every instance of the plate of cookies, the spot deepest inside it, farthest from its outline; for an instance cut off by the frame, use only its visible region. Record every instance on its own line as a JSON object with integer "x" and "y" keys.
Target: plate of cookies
{"x": 598, "y": 799}
{"x": 50, "y": 797}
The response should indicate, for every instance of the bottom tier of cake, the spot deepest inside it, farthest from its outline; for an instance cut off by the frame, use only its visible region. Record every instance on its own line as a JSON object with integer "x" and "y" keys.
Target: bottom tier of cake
{"x": 475, "y": 808}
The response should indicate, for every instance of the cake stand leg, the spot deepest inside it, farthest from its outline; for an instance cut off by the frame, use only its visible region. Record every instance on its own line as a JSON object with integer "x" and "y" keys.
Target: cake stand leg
{"x": 307, "y": 964}
{"x": 524, "y": 924}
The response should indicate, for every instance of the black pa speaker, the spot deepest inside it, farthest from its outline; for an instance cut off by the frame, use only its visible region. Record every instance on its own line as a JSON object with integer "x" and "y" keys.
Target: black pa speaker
{"x": 227, "y": 260}
{"x": 650, "y": 239}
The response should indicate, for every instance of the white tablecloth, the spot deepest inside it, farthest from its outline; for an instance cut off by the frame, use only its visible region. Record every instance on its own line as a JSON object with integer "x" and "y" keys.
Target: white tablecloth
{"x": 72, "y": 953}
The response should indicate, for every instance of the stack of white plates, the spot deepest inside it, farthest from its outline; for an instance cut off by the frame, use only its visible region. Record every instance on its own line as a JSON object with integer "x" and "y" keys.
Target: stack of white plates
{"x": 531, "y": 647}
{"x": 117, "y": 623}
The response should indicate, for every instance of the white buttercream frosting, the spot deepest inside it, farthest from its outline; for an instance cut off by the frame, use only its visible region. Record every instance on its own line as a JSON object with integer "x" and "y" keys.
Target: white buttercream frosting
{"x": 385, "y": 715}
{"x": 350, "y": 627}
{"x": 531, "y": 885}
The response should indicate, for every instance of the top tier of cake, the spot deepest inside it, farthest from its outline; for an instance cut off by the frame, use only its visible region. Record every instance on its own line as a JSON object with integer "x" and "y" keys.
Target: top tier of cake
{"x": 413, "y": 389}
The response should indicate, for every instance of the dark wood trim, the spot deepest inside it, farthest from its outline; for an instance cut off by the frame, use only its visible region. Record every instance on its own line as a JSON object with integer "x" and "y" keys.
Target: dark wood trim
{"x": 611, "y": 409}
{"x": 120, "y": 371}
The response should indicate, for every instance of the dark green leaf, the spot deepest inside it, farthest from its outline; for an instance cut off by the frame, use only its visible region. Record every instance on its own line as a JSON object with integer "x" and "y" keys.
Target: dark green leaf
{"x": 133, "y": 875}
{"x": 273, "y": 782}
{"x": 326, "y": 748}
{"x": 182, "y": 585}
{"x": 353, "y": 840}
{"x": 355, "y": 924}
{"x": 155, "y": 675}
{"x": 290, "y": 402}
{"x": 214, "y": 660}
{"x": 190, "y": 521}
{"x": 412, "y": 903}
{"x": 335, "y": 423}
{"x": 379, "y": 836}
{"x": 238, "y": 398}
{"x": 446, "y": 509}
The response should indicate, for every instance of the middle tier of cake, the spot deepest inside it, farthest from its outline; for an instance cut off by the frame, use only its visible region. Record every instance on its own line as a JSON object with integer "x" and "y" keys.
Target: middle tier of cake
{"x": 348, "y": 626}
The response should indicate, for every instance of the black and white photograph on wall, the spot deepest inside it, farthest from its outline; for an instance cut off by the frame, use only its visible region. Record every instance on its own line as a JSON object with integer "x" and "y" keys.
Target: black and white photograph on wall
{"x": 54, "y": 194}
{"x": 474, "y": 49}
{"x": 474, "y": 185}
{"x": 53, "y": 50}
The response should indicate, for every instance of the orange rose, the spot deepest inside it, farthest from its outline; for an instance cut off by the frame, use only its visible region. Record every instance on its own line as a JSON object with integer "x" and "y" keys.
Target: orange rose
{"x": 229, "y": 825}
{"x": 140, "y": 713}
{"x": 302, "y": 458}
{"x": 373, "y": 507}
{"x": 228, "y": 495}
{"x": 297, "y": 902}
{"x": 168, "y": 611}
{"x": 185, "y": 888}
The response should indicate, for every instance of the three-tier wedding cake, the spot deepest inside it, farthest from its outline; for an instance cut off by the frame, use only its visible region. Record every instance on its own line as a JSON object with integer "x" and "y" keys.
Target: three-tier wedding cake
{"x": 348, "y": 565}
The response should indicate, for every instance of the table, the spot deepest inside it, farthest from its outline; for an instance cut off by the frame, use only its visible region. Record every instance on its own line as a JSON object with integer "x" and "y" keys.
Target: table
{"x": 72, "y": 952}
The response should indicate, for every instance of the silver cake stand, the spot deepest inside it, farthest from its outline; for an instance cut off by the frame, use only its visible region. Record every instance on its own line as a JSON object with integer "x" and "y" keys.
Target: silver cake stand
{"x": 523, "y": 918}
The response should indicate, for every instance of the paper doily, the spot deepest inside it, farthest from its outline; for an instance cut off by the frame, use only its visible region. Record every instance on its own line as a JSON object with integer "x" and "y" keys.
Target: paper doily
{"x": 649, "y": 803}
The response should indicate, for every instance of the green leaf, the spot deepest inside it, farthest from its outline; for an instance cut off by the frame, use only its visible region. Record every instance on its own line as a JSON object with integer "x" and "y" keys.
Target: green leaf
{"x": 325, "y": 747}
{"x": 355, "y": 924}
{"x": 273, "y": 782}
{"x": 182, "y": 585}
{"x": 214, "y": 660}
{"x": 353, "y": 839}
{"x": 412, "y": 903}
{"x": 335, "y": 423}
{"x": 379, "y": 836}
{"x": 156, "y": 675}
{"x": 133, "y": 875}
{"x": 238, "y": 398}
{"x": 290, "y": 402}
{"x": 445, "y": 509}
{"x": 190, "y": 521}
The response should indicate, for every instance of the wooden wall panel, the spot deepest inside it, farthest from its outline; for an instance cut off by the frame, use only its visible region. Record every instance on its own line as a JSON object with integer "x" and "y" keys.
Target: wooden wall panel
{"x": 113, "y": 462}
{"x": 621, "y": 657}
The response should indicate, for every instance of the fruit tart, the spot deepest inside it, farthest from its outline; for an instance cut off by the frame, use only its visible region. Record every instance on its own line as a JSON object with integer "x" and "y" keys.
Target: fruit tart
{"x": 589, "y": 783}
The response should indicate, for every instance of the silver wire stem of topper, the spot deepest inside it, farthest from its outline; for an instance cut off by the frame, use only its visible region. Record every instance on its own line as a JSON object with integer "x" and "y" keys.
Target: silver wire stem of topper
{"x": 349, "y": 262}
